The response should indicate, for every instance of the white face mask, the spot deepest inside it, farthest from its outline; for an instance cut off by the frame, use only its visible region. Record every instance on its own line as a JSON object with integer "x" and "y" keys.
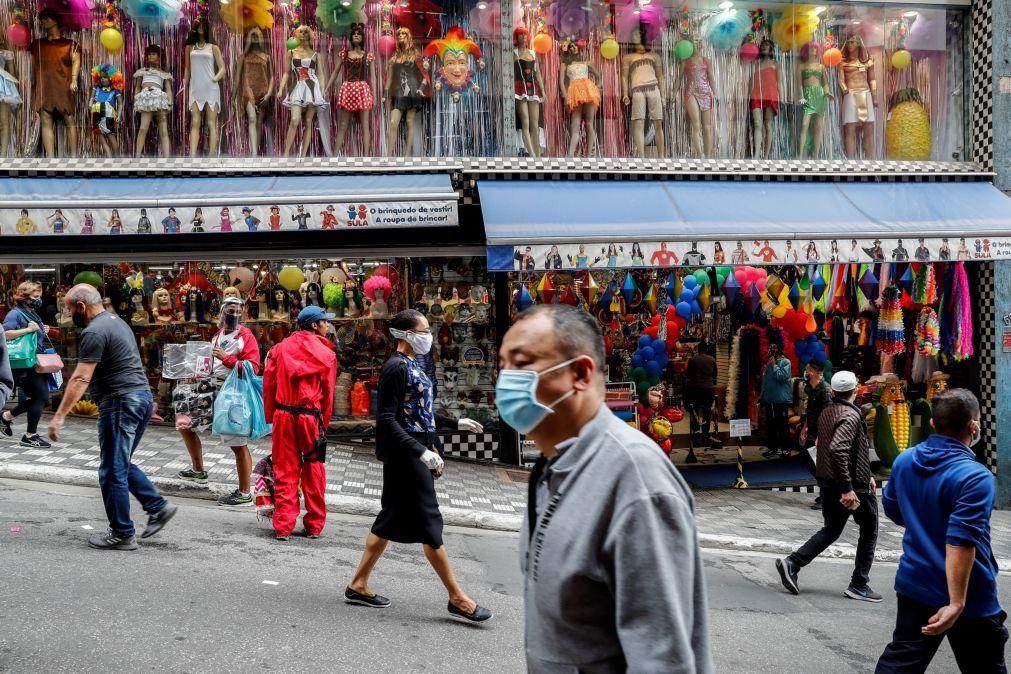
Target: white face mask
{"x": 420, "y": 342}
{"x": 977, "y": 435}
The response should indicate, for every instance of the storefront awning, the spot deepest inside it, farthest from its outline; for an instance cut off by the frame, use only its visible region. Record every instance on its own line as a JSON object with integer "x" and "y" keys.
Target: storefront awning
{"x": 598, "y": 214}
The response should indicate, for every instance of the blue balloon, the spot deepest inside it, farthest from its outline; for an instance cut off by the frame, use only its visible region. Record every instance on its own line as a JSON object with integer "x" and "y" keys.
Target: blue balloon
{"x": 662, "y": 359}
{"x": 684, "y": 310}
{"x": 697, "y": 290}
{"x": 802, "y": 349}
{"x": 654, "y": 368}
{"x": 812, "y": 338}
{"x": 687, "y": 295}
{"x": 638, "y": 361}
{"x": 645, "y": 340}
{"x": 696, "y": 307}
{"x": 647, "y": 353}
{"x": 820, "y": 358}
{"x": 659, "y": 346}
{"x": 691, "y": 282}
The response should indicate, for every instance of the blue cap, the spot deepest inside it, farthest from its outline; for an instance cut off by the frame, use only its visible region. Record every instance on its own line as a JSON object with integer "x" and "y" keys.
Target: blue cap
{"x": 313, "y": 314}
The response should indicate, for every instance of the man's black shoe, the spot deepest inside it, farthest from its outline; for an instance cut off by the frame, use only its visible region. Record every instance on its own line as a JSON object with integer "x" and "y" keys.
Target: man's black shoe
{"x": 110, "y": 541}
{"x": 156, "y": 522}
{"x": 375, "y": 601}
{"x": 6, "y": 426}
{"x": 788, "y": 574}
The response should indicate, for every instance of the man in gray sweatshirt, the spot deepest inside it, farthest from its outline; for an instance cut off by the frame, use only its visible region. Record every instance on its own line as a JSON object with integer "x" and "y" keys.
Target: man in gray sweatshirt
{"x": 609, "y": 550}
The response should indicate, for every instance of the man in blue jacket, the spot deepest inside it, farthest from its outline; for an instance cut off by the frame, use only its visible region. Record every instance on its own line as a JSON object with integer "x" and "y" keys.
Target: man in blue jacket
{"x": 947, "y": 578}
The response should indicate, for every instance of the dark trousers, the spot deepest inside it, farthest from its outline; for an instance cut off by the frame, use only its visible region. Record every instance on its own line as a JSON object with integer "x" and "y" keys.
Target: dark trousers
{"x": 978, "y": 643}
{"x": 122, "y": 420}
{"x": 836, "y": 515}
{"x": 36, "y": 395}
{"x": 701, "y": 402}
{"x": 776, "y": 417}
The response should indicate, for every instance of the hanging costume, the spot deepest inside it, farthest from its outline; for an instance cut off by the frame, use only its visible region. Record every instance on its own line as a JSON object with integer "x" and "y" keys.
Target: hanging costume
{"x": 53, "y": 61}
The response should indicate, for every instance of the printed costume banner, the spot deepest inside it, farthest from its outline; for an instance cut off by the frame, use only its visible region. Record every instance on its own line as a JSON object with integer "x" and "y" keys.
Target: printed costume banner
{"x": 753, "y": 252}
{"x": 178, "y": 220}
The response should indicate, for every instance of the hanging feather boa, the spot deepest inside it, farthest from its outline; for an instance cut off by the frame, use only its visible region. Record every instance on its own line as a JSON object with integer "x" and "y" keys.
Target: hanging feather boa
{"x": 153, "y": 14}
{"x": 928, "y": 332}
{"x": 924, "y": 285}
{"x": 891, "y": 334}
{"x": 734, "y": 378}
{"x": 956, "y": 314}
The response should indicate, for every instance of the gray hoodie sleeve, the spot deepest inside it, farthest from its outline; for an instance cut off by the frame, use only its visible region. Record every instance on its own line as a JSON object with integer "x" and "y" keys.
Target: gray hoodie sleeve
{"x": 659, "y": 591}
{"x": 6, "y": 378}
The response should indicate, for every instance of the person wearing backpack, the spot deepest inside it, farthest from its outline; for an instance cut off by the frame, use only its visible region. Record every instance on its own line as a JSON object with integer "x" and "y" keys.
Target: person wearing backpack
{"x": 21, "y": 321}
{"x": 233, "y": 344}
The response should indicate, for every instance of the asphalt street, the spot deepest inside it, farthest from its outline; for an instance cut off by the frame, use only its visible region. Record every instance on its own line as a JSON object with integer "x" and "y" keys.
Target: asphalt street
{"x": 214, "y": 592}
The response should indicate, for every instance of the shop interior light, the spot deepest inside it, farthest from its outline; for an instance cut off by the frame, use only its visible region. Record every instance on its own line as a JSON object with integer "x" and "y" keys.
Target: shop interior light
{"x": 637, "y": 9}
{"x": 818, "y": 10}
{"x": 161, "y": 268}
{"x": 482, "y": 5}
{"x": 726, "y": 4}
{"x": 40, "y": 270}
{"x": 910, "y": 14}
{"x": 345, "y": 3}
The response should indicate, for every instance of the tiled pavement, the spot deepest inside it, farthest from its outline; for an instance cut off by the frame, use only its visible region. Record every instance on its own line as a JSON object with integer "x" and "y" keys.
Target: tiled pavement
{"x": 733, "y": 515}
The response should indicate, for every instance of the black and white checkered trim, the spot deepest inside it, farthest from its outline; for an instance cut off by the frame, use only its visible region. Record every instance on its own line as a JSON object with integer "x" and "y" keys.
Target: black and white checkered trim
{"x": 482, "y": 447}
{"x": 987, "y": 327}
{"x": 981, "y": 108}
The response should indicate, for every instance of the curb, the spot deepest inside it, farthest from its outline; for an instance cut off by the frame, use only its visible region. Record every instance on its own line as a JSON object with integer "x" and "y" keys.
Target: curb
{"x": 170, "y": 486}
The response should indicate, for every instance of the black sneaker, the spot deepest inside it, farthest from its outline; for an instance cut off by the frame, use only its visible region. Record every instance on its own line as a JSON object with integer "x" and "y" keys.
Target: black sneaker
{"x": 770, "y": 454}
{"x": 110, "y": 541}
{"x": 479, "y": 615}
{"x": 863, "y": 594}
{"x": 6, "y": 426}
{"x": 236, "y": 498}
{"x": 788, "y": 574}
{"x": 281, "y": 538}
{"x": 375, "y": 601}
{"x": 156, "y": 522}
{"x": 34, "y": 441}
{"x": 193, "y": 475}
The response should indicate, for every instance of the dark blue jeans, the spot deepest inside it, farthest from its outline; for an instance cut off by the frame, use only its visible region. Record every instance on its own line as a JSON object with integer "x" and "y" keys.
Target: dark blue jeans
{"x": 121, "y": 423}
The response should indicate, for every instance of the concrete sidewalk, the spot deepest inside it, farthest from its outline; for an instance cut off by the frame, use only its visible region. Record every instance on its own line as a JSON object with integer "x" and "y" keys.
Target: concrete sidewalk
{"x": 475, "y": 495}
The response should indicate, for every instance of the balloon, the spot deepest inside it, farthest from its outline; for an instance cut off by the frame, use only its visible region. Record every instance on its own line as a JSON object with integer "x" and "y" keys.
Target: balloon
{"x": 92, "y": 278}
{"x": 638, "y": 361}
{"x": 290, "y": 278}
{"x": 820, "y": 358}
{"x": 645, "y": 341}
{"x": 696, "y": 308}
{"x": 292, "y": 43}
{"x": 659, "y": 347}
{"x": 542, "y": 43}
{"x": 702, "y": 277}
{"x": 901, "y": 59}
{"x": 683, "y": 50}
{"x": 811, "y": 325}
{"x": 112, "y": 40}
{"x": 19, "y": 35}
{"x": 691, "y": 282}
{"x": 638, "y": 374}
{"x": 653, "y": 331}
{"x": 748, "y": 52}
{"x": 832, "y": 57}
{"x": 387, "y": 45}
{"x": 761, "y": 284}
{"x": 687, "y": 295}
{"x": 609, "y": 49}
{"x": 241, "y": 278}
{"x": 642, "y": 388}
{"x": 647, "y": 353}
{"x": 684, "y": 310}
{"x": 653, "y": 368}
{"x": 653, "y": 379}
{"x": 779, "y": 311}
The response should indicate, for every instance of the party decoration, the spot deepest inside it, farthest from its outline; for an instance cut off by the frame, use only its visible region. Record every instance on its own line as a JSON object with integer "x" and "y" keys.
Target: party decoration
{"x": 727, "y": 29}
{"x": 112, "y": 40}
{"x": 572, "y": 18}
{"x": 891, "y": 335}
{"x": 609, "y": 49}
{"x": 869, "y": 284}
{"x": 290, "y": 278}
{"x": 336, "y": 16}
{"x": 92, "y": 278}
{"x": 522, "y": 299}
{"x": 389, "y": 271}
{"x": 629, "y": 16}
{"x": 542, "y": 43}
{"x": 152, "y": 15}
{"x": 421, "y": 17}
{"x": 683, "y": 50}
{"x": 291, "y": 43}
{"x": 660, "y": 427}
{"x": 924, "y": 289}
{"x": 928, "y": 332}
{"x": 730, "y": 288}
{"x": 243, "y": 15}
{"x": 628, "y": 289}
{"x": 387, "y": 45}
{"x": 906, "y": 280}
{"x": 748, "y": 52}
{"x": 794, "y": 28}
{"x": 546, "y": 289}
{"x": 901, "y": 59}
{"x": 891, "y": 418}
{"x": 241, "y": 278}
{"x": 832, "y": 57}
{"x": 956, "y": 314}
{"x": 454, "y": 51}
{"x": 907, "y": 129}
{"x": 74, "y": 14}
{"x": 818, "y": 286}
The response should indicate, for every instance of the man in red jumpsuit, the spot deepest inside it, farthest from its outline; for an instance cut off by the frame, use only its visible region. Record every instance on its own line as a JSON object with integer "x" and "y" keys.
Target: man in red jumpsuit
{"x": 298, "y": 388}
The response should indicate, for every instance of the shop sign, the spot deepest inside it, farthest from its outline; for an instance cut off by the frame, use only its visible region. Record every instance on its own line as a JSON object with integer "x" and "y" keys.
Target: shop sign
{"x": 740, "y": 428}
{"x": 756, "y": 252}
{"x": 473, "y": 355}
{"x": 233, "y": 218}
{"x": 1005, "y": 346}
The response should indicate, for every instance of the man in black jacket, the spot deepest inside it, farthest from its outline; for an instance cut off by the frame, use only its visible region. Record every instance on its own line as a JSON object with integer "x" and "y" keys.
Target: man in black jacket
{"x": 819, "y": 396}
{"x": 847, "y": 488}
{"x": 700, "y": 381}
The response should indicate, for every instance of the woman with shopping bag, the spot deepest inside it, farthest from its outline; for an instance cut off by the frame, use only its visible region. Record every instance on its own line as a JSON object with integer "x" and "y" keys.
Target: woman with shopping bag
{"x": 26, "y": 335}
{"x": 232, "y": 347}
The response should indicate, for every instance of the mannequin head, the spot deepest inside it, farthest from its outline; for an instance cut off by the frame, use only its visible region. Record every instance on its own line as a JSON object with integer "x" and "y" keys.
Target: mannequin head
{"x": 638, "y": 37}
{"x": 521, "y": 37}
{"x": 767, "y": 49}
{"x": 304, "y": 36}
{"x": 162, "y": 299}
{"x": 854, "y": 50}
{"x": 200, "y": 32}
{"x": 357, "y": 35}
{"x": 49, "y": 21}
{"x": 231, "y": 291}
{"x": 254, "y": 40}
{"x": 810, "y": 52}
{"x": 154, "y": 56}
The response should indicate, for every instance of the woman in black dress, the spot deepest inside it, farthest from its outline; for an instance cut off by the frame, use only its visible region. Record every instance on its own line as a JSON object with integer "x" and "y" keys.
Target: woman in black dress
{"x": 407, "y": 445}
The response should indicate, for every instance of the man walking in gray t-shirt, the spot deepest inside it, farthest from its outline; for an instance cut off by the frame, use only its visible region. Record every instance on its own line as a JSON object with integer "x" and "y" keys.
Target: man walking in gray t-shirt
{"x": 109, "y": 361}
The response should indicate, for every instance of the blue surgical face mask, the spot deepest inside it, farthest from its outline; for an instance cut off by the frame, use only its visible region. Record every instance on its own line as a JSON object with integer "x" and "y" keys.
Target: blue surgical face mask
{"x": 516, "y": 397}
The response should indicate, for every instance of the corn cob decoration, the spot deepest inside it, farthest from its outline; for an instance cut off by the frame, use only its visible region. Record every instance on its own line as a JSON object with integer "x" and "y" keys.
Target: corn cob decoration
{"x": 85, "y": 408}
{"x": 891, "y": 421}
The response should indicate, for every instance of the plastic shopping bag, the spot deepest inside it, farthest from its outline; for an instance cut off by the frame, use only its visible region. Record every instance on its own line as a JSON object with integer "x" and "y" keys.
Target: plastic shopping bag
{"x": 193, "y": 404}
{"x": 238, "y": 409}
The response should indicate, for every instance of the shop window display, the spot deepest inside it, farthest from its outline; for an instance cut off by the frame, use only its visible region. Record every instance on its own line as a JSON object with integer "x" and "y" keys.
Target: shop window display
{"x": 421, "y": 78}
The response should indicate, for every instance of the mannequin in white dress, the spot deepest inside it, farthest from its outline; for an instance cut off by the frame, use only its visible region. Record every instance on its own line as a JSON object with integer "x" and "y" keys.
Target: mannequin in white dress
{"x": 204, "y": 71}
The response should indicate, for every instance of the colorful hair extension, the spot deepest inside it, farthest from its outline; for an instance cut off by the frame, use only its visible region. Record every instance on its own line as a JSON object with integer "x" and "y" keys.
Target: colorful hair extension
{"x": 110, "y": 71}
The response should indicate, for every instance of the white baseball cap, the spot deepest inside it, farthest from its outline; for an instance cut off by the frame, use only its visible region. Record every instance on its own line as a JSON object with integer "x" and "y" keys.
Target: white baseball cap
{"x": 844, "y": 381}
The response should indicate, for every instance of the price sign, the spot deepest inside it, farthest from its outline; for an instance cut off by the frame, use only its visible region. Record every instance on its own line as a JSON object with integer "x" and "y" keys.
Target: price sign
{"x": 740, "y": 428}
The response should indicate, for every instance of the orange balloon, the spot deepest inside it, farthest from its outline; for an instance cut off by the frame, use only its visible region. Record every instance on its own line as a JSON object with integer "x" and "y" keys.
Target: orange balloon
{"x": 832, "y": 57}
{"x": 542, "y": 43}
{"x": 812, "y": 325}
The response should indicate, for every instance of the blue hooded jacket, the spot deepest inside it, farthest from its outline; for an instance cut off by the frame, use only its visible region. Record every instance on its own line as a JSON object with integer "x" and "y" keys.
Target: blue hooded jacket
{"x": 942, "y": 495}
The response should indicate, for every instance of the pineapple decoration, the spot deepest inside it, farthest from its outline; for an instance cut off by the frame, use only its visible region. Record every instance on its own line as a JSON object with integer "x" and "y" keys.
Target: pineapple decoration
{"x": 891, "y": 419}
{"x": 907, "y": 132}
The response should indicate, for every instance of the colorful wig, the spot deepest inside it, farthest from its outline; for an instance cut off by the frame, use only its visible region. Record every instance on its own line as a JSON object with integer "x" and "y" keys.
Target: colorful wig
{"x": 110, "y": 71}
{"x": 456, "y": 41}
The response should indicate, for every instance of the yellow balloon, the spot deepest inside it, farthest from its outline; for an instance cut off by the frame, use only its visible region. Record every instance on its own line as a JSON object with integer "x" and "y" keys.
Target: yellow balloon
{"x": 779, "y": 311}
{"x": 112, "y": 40}
{"x": 609, "y": 49}
{"x": 901, "y": 59}
{"x": 290, "y": 278}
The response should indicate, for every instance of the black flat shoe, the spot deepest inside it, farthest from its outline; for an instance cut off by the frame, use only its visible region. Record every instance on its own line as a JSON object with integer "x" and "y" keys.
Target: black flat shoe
{"x": 375, "y": 601}
{"x": 479, "y": 615}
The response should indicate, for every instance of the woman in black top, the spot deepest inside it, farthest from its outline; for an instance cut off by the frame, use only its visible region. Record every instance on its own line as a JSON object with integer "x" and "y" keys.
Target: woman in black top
{"x": 407, "y": 445}
{"x": 21, "y": 320}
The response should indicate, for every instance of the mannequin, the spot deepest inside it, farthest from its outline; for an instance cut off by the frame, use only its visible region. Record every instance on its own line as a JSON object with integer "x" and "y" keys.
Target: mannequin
{"x": 577, "y": 79}
{"x": 152, "y": 98}
{"x": 162, "y": 307}
{"x": 642, "y": 88}
{"x": 280, "y": 305}
{"x": 305, "y": 99}
{"x": 355, "y": 93}
{"x": 255, "y": 78}
{"x": 764, "y": 99}
{"x": 106, "y": 106}
{"x": 529, "y": 91}
{"x": 408, "y": 87}
{"x": 140, "y": 314}
{"x": 203, "y": 73}
{"x": 698, "y": 99}
{"x": 10, "y": 98}
{"x": 856, "y": 79}
{"x": 815, "y": 99}
{"x": 56, "y": 64}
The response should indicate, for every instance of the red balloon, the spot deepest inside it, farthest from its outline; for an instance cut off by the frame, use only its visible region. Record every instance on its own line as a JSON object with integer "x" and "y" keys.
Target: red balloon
{"x": 666, "y": 445}
{"x": 675, "y": 414}
{"x": 19, "y": 35}
{"x": 653, "y": 332}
